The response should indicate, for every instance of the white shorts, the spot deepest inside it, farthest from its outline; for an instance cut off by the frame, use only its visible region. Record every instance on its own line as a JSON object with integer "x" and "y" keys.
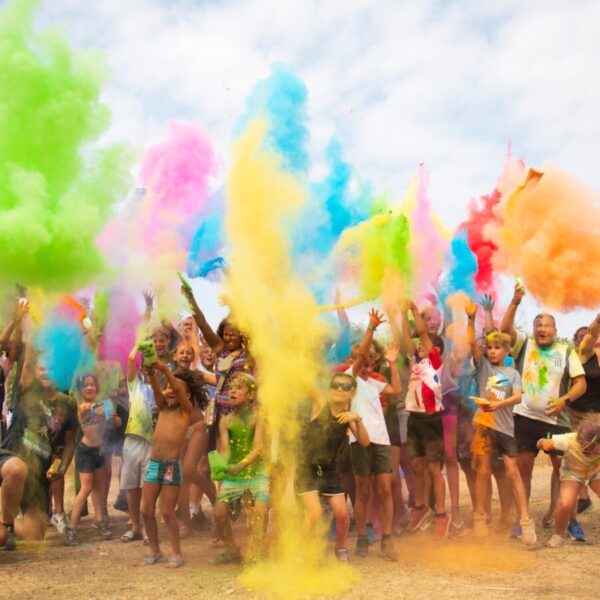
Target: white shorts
{"x": 136, "y": 454}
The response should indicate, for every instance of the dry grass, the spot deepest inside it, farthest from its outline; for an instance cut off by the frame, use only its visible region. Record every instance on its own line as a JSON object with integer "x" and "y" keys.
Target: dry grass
{"x": 496, "y": 568}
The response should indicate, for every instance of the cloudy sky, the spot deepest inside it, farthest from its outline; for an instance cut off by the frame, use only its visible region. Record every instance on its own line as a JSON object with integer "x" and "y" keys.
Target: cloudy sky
{"x": 398, "y": 82}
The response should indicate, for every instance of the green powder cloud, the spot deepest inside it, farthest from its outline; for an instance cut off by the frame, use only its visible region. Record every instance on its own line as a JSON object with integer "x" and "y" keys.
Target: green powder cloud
{"x": 57, "y": 187}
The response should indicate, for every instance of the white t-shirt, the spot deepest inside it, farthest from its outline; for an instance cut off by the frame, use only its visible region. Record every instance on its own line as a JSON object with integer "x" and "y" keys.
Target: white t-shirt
{"x": 543, "y": 371}
{"x": 367, "y": 406}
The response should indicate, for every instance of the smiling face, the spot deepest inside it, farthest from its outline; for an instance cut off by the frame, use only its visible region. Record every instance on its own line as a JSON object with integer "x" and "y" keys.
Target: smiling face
{"x": 184, "y": 356}
{"x": 232, "y": 338}
{"x": 544, "y": 330}
{"x": 187, "y": 327}
{"x": 89, "y": 390}
{"x": 207, "y": 357}
{"x": 432, "y": 318}
{"x": 341, "y": 391}
{"x": 161, "y": 343}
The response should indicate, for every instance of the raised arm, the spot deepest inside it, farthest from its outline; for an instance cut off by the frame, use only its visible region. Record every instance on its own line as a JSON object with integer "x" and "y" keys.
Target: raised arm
{"x": 508, "y": 321}
{"x": 14, "y": 329}
{"x": 586, "y": 348}
{"x": 176, "y": 385}
{"x": 409, "y": 345}
{"x": 421, "y": 328}
{"x": 131, "y": 368}
{"x": 155, "y": 385}
{"x": 212, "y": 339}
{"x": 375, "y": 320}
{"x": 391, "y": 355}
{"x": 471, "y": 310}
{"x": 487, "y": 303}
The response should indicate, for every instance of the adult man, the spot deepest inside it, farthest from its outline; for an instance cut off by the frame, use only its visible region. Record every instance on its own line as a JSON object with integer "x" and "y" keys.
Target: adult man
{"x": 552, "y": 377}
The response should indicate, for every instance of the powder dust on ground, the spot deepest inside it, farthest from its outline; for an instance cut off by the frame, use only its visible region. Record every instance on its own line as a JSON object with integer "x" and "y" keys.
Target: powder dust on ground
{"x": 465, "y": 568}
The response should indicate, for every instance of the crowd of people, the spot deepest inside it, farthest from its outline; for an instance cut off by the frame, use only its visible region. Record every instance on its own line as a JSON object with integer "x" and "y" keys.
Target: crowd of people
{"x": 187, "y": 423}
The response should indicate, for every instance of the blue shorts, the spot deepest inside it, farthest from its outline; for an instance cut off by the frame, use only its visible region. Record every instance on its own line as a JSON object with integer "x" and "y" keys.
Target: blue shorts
{"x": 163, "y": 472}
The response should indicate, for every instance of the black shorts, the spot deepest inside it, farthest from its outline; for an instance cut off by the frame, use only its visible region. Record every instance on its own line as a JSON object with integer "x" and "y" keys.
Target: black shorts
{"x": 488, "y": 441}
{"x": 323, "y": 479}
{"x": 426, "y": 436}
{"x": 529, "y": 431}
{"x": 393, "y": 426}
{"x": 88, "y": 458}
{"x": 375, "y": 459}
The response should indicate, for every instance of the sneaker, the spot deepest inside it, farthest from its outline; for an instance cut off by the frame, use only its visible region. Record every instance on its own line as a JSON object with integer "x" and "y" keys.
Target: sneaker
{"x": 387, "y": 548}
{"x": 102, "y": 527}
{"x": 362, "y": 546}
{"x": 584, "y": 505}
{"x": 341, "y": 554}
{"x": 556, "y": 541}
{"x": 528, "y": 535}
{"x": 480, "y": 526}
{"x": 58, "y": 522}
{"x": 419, "y": 518}
{"x": 515, "y": 532}
{"x": 576, "y": 532}
{"x": 71, "y": 537}
{"x": 441, "y": 527}
{"x": 371, "y": 535}
{"x": 11, "y": 542}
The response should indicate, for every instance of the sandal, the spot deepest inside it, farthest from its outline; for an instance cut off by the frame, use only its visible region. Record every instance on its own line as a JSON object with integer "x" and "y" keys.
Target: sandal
{"x": 175, "y": 562}
{"x": 152, "y": 559}
{"x": 130, "y": 536}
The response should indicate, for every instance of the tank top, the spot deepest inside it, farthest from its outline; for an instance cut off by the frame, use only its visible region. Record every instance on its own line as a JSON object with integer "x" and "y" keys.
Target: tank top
{"x": 590, "y": 401}
{"x": 241, "y": 441}
{"x": 321, "y": 439}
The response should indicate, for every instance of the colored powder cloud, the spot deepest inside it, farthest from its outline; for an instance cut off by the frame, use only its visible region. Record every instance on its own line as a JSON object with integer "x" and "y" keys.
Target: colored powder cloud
{"x": 281, "y": 99}
{"x": 551, "y": 238}
{"x": 461, "y": 266}
{"x": 273, "y": 306}
{"x": 428, "y": 242}
{"x": 54, "y": 198}
{"x": 206, "y": 243}
{"x": 64, "y": 350}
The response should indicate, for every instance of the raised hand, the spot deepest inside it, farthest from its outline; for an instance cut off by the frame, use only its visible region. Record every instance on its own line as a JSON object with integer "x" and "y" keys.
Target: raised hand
{"x": 149, "y": 299}
{"x": 392, "y": 352}
{"x": 487, "y": 302}
{"x": 470, "y": 308}
{"x": 518, "y": 293}
{"x": 375, "y": 318}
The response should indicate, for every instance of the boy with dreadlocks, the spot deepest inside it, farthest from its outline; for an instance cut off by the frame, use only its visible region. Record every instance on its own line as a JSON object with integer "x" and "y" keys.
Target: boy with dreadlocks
{"x": 163, "y": 477}
{"x": 580, "y": 465}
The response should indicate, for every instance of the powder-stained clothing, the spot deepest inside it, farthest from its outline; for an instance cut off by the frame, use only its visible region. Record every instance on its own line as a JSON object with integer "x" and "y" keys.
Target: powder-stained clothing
{"x": 425, "y": 384}
{"x": 496, "y": 383}
{"x": 227, "y": 366}
{"x": 546, "y": 374}
{"x": 367, "y": 406}
{"x": 576, "y": 466}
{"x": 142, "y": 407}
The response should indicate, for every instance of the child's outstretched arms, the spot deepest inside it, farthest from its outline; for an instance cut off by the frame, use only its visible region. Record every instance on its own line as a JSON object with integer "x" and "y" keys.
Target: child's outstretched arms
{"x": 471, "y": 310}
{"x": 375, "y": 320}
{"x": 212, "y": 339}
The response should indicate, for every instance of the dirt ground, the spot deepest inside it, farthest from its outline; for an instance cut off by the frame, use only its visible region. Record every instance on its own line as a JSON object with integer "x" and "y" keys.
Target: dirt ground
{"x": 465, "y": 568}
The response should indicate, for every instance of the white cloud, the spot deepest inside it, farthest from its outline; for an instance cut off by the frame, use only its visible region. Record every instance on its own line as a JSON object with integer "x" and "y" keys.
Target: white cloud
{"x": 398, "y": 82}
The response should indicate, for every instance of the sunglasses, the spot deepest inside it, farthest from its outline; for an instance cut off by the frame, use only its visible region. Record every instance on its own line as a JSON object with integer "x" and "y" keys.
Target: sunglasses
{"x": 336, "y": 385}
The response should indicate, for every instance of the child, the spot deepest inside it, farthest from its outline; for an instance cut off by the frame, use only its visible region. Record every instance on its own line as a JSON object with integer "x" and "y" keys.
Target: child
{"x": 163, "y": 477}
{"x": 499, "y": 389}
{"x": 580, "y": 465}
{"x": 425, "y": 432}
{"x": 89, "y": 459}
{"x": 241, "y": 442}
{"x": 320, "y": 442}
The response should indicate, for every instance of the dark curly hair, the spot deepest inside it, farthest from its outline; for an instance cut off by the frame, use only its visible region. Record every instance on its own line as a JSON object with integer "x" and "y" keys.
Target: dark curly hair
{"x": 195, "y": 386}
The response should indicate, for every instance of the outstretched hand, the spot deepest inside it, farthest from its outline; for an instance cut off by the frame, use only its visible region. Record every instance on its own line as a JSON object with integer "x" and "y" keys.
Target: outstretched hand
{"x": 518, "y": 293}
{"x": 487, "y": 302}
{"x": 149, "y": 299}
{"x": 375, "y": 318}
{"x": 392, "y": 352}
